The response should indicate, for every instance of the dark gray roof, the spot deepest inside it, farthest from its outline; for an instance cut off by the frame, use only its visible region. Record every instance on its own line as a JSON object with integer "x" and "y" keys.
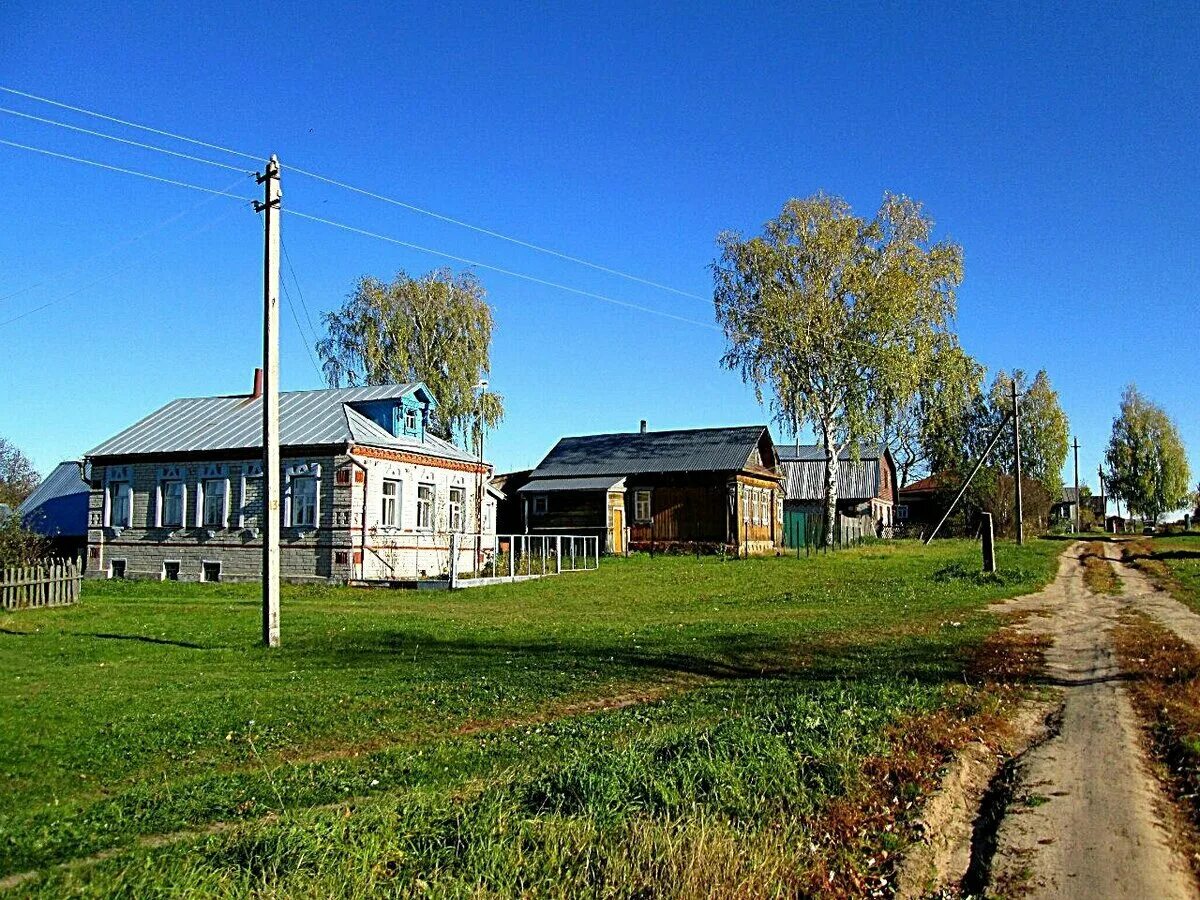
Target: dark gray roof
{"x": 59, "y": 505}
{"x": 306, "y": 418}
{"x": 633, "y": 453}
{"x": 596, "y": 483}
{"x": 803, "y": 471}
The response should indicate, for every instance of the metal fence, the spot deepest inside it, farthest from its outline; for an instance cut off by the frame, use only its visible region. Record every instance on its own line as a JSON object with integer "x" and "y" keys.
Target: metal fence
{"x": 805, "y": 532}
{"x": 496, "y": 559}
{"x": 54, "y": 582}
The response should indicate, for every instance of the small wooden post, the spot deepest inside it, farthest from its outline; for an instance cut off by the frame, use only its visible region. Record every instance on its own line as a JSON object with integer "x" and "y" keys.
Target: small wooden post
{"x": 989, "y": 544}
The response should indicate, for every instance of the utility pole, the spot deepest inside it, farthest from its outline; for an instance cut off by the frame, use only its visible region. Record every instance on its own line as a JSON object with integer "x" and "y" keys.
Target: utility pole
{"x": 1078, "y": 499}
{"x": 1103, "y": 500}
{"x": 1016, "y": 422}
{"x": 270, "y": 208}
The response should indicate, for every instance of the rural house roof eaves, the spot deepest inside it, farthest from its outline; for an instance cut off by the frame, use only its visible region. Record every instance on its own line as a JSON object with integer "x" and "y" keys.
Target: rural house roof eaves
{"x": 234, "y": 422}
{"x": 633, "y": 453}
{"x": 551, "y": 485}
{"x": 58, "y": 506}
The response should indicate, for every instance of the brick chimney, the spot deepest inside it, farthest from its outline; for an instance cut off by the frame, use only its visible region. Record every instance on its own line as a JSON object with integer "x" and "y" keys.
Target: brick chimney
{"x": 643, "y": 426}
{"x": 258, "y": 384}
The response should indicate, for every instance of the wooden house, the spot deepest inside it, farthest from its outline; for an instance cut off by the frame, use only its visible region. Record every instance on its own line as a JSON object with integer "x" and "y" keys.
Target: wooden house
{"x": 698, "y": 489}
{"x": 866, "y": 485}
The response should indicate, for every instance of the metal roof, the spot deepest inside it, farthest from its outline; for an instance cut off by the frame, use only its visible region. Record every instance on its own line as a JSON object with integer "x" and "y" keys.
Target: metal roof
{"x": 816, "y": 452}
{"x": 549, "y": 485}
{"x": 803, "y": 471}
{"x": 633, "y": 453}
{"x": 306, "y": 418}
{"x": 59, "y": 505}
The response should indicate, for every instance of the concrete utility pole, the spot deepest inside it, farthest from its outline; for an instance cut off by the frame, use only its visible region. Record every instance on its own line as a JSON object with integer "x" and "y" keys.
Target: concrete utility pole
{"x": 1016, "y": 422}
{"x": 1103, "y": 500}
{"x": 1078, "y": 499}
{"x": 270, "y": 208}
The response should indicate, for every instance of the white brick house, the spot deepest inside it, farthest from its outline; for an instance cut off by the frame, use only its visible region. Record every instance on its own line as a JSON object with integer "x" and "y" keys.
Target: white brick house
{"x": 368, "y": 493}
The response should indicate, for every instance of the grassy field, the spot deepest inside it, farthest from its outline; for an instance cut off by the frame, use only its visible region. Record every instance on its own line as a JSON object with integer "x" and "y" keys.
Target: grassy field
{"x": 669, "y": 726}
{"x": 1172, "y": 560}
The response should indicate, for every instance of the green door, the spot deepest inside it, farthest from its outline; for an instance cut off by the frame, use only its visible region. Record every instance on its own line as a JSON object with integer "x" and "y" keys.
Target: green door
{"x": 795, "y": 523}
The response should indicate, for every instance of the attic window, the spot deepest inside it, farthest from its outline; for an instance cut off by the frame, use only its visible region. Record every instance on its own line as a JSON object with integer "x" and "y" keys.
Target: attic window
{"x": 410, "y": 420}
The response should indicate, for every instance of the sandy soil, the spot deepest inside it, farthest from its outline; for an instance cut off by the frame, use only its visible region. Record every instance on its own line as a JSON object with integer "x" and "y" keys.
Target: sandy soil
{"x": 1083, "y": 820}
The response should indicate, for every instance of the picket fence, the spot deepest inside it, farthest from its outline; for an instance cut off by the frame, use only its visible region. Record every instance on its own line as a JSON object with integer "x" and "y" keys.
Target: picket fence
{"x": 51, "y": 583}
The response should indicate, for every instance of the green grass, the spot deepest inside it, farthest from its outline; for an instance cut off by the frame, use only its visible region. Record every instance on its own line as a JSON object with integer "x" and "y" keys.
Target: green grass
{"x": 459, "y": 741}
{"x": 1172, "y": 560}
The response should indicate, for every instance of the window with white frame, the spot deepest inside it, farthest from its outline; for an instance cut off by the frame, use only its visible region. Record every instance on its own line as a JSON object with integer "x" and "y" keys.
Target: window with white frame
{"x": 425, "y": 506}
{"x": 389, "y": 511}
{"x": 641, "y": 506}
{"x": 172, "y": 509}
{"x": 410, "y": 419}
{"x": 215, "y": 491}
{"x": 456, "y": 509}
{"x": 120, "y": 502}
{"x": 304, "y": 501}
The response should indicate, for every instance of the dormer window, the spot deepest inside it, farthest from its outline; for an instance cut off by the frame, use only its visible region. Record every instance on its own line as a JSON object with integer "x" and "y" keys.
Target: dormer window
{"x": 411, "y": 420}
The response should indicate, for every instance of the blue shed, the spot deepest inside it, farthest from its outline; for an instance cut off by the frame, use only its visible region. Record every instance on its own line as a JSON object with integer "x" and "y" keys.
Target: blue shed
{"x": 58, "y": 509}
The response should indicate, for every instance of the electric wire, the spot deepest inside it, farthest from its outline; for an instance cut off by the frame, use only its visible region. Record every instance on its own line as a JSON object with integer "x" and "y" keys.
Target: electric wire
{"x": 362, "y": 191}
{"x": 112, "y": 168}
{"x": 121, "y": 140}
{"x": 125, "y": 268}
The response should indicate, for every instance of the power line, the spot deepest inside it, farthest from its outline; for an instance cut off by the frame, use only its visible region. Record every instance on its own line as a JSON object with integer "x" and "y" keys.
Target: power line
{"x": 364, "y": 192}
{"x": 461, "y": 259}
{"x": 128, "y": 124}
{"x": 300, "y": 329}
{"x": 121, "y": 140}
{"x": 445, "y": 255}
{"x": 64, "y": 297}
{"x": 296, "y": 281}
{"x": 113, "y": 248}
{"x": 496, "y": 234}
{"x": 111, "y": 168}
{"x": 482, "y": 265}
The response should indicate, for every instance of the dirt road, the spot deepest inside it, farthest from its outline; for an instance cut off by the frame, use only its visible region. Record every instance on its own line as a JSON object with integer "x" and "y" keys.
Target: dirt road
{"x": 1083, "y": 821}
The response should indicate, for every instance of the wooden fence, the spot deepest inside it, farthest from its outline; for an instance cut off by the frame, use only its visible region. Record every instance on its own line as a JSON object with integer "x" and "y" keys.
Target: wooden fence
{"x": 51, "y": 583}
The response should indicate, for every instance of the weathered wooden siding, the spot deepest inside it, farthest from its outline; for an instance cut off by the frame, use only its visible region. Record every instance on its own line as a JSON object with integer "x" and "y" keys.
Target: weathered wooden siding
{"x": 680, "y": 512}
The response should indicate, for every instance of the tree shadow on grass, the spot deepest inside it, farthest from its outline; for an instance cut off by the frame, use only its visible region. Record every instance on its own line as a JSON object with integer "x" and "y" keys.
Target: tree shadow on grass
{"x": 928, "y": 658}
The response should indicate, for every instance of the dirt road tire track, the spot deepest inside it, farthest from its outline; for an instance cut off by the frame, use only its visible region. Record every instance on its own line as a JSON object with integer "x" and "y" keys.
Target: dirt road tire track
{"x": 1083, "y": 821}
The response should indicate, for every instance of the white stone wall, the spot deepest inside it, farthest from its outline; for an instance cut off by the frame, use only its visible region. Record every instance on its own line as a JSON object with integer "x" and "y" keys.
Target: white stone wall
{"x": 406, "y": 551}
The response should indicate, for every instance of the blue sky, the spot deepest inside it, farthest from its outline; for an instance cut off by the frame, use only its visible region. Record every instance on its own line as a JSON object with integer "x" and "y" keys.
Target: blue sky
{"x": 1057, "y": 144}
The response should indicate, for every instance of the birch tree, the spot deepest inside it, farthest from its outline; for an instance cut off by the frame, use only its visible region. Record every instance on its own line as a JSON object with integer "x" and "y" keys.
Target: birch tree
{"x": 836, "y": 316}
{"x": 1147, "y": 463}
{"x": 436, "y": 329}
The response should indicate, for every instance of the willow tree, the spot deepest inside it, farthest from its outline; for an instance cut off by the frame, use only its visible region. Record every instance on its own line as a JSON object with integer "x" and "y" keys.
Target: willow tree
{"x": 836, "y": 316}
{"x": 436, "y": 329}
{"x": 1147, "y": 463}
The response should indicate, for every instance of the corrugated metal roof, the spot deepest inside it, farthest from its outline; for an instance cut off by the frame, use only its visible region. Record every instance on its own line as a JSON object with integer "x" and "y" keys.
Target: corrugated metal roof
{"x": 306, "y": 418}
{"x": 550, "y": 485}
{"x": 803, "y": 471}
{"x": 810, "y": 452}
{"x": 58, "y": 506}
{"x": 632, "y": 453}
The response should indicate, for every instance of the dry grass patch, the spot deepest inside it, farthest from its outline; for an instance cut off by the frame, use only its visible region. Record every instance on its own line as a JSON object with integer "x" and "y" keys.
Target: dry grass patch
{"x": 1166, "y": 693}
{"x": 1098, "y": 573}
